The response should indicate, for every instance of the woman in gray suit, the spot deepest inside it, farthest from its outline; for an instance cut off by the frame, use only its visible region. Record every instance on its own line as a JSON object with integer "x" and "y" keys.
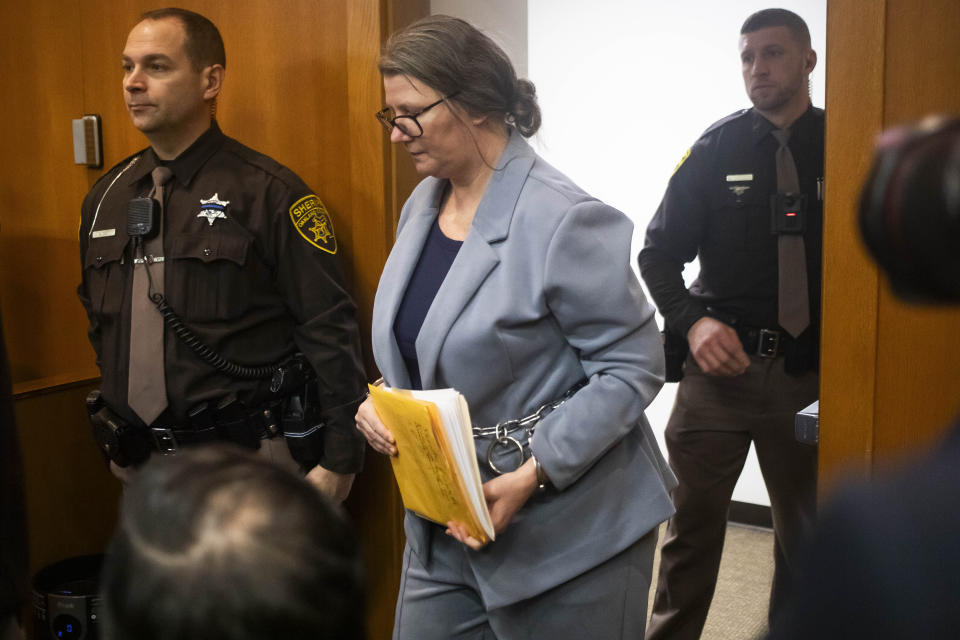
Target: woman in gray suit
{"x": 512, "y": 285}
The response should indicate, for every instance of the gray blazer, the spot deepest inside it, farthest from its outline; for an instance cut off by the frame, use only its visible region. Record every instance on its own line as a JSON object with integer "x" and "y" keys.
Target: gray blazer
{"x": 540, "y": 296}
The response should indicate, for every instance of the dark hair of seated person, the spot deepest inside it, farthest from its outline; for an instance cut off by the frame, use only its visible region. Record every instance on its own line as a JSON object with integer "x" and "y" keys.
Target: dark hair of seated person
{"x": 216, "y": 543}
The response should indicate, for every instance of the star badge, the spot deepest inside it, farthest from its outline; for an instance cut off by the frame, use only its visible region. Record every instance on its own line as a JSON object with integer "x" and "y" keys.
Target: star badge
{"x": 213, "y": 208}
{"x": 320, "y": 230}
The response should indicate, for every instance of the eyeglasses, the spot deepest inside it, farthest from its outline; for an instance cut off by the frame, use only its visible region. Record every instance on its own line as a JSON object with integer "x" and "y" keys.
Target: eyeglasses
{"x": 408, "y": 124}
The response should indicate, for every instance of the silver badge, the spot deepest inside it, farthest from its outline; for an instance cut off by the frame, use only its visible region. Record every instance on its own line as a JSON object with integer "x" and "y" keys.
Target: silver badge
{"x": 213, "y": 208}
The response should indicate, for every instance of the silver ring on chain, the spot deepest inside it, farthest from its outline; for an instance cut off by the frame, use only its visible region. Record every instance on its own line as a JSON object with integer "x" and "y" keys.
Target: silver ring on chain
{"x": 505, "y": 441}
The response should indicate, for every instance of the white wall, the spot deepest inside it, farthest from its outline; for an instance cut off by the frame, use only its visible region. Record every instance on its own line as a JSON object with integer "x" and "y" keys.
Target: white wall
{"x": 505, "y": 21}
{"x": 626, "y": 86}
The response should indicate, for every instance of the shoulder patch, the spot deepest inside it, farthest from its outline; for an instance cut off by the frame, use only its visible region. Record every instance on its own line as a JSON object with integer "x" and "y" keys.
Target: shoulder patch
{"x": 686, "y": 155}
{"x": 313, "y": 223}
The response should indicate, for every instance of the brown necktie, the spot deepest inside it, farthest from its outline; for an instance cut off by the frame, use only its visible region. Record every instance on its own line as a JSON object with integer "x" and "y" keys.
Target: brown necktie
{"x": 146, "y": 385}
{"x": 794, "y": 298}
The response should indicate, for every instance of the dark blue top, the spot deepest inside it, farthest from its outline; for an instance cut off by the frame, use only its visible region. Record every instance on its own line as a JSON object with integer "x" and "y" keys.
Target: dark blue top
{"x": 437, "y": 256}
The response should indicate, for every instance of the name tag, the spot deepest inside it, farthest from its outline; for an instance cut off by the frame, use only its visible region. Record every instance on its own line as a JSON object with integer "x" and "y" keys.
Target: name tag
{"x": 740, "y": 177}
{"x": 103, "y": 233}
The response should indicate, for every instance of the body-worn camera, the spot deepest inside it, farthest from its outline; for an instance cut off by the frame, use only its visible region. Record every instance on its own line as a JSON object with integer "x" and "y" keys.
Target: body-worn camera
{"x": 788, "y": 213}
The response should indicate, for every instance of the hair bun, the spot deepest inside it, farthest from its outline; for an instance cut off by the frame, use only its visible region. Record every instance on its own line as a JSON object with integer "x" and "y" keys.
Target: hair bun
{"x": 525, "y": 113}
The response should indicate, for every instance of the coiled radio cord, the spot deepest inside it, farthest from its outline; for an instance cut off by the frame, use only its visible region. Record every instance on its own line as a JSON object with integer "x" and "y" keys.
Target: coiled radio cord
{"x": 204, "y": 351}
{"x": 189, "y": 338}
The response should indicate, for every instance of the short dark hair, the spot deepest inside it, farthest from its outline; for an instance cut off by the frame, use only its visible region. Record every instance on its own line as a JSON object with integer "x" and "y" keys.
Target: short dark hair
{"x": 778, "y": 18}
{"x": 217, "y": 543}
{"x": 452, "y": 56}
{"x": 203, "y": 42}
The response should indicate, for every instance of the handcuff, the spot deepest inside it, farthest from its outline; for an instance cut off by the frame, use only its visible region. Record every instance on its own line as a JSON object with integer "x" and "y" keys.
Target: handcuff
{"x": 502, "y": 430}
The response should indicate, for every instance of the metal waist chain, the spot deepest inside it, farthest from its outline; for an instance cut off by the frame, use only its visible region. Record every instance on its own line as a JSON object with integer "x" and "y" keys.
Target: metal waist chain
{"x": 502, "y": 430}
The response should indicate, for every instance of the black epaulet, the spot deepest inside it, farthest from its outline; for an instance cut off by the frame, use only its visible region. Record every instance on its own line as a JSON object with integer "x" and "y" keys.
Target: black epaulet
{"x": 264, "y": 163}
{"x": 736, "y": 115}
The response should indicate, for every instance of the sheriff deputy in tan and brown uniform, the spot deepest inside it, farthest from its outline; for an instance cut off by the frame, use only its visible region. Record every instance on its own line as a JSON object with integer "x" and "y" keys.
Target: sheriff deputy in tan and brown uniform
{"x": 250, "y": 277}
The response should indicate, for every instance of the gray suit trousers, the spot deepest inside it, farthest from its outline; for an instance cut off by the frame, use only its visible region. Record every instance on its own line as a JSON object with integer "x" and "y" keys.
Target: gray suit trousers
{"x": 442, "y": 602}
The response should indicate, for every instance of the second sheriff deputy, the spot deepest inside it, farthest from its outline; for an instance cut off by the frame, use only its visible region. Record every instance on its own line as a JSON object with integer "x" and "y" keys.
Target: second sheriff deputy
{"x": 251, "y": 272}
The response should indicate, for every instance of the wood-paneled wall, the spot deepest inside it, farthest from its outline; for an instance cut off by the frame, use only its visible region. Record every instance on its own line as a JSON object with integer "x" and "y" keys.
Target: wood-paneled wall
{"x": 71, "y": 498}
{"x": 40, "y": 191}
{"x": 890, "y": 372}
{"x": 301, "y": 86}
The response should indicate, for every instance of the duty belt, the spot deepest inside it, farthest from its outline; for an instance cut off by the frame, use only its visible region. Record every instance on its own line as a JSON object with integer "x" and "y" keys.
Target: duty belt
{"x": 127, "y": 444}
{"x": 502, "y": 430}
{"x": 765, "y": 343}
{"x": 245, "y": 428}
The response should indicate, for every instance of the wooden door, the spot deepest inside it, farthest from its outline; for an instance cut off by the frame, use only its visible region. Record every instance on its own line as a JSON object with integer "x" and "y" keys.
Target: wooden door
{"x": 890, "y": 372}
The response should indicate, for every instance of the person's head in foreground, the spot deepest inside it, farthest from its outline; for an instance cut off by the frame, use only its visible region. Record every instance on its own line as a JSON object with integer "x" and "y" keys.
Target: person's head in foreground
{"x": 218, "y": 544}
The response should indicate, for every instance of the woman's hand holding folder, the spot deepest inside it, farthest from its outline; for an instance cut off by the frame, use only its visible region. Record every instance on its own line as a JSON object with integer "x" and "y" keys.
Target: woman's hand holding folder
{"x": 505, "y": 495}
{"x": 373, "y": 429}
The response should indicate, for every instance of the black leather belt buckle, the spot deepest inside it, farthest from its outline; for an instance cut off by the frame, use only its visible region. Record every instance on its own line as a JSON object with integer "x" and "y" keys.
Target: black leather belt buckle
{"x": 768, "y": 343}
{"x": 165, "y": 441}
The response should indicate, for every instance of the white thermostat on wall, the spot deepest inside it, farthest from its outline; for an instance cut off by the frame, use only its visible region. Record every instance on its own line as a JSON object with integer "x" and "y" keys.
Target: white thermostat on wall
{"x": 87, "y": 142}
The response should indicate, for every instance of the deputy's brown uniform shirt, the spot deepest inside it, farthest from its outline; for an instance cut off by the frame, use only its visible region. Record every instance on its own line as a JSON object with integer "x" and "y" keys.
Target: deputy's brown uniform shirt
{"x": 251, "y": 266}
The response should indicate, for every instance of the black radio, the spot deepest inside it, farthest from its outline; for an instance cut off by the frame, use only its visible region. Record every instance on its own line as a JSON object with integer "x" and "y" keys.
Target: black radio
{"x": 142, "y": 217}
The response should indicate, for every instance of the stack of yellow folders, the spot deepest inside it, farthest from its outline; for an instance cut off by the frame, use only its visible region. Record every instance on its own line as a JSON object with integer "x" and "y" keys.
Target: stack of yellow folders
{"x": 436, "y": 462}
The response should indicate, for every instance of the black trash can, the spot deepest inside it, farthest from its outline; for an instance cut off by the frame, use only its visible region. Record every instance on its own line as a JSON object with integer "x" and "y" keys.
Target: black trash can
{"x": 66, "y": 600}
